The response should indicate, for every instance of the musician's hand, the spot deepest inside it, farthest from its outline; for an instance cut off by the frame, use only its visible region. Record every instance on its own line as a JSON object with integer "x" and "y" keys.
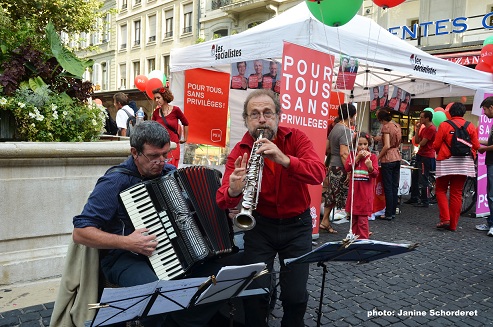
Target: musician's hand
{"x": 270, "y": 151}
{"x": 237, "y": 177}
{"x": 142, "y": 243}
{"x": 233, "y": 212}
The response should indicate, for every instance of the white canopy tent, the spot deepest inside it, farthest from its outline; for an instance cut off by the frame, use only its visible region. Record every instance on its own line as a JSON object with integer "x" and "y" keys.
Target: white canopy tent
{"x": 383, "y": 57}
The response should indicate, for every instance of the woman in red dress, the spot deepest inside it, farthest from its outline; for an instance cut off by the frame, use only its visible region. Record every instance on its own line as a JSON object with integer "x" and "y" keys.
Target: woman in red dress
{"x": 168, "y": 116}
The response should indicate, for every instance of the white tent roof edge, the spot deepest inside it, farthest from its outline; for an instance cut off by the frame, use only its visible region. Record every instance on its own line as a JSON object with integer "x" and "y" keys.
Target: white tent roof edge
{"x": 383, "y": 57}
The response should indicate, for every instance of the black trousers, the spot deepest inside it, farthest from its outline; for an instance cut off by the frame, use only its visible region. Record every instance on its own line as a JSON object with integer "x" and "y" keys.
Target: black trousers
{"x": 288, "y": 239}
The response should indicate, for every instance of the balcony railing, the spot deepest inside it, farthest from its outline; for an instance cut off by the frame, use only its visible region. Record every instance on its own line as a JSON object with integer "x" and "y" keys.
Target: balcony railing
{"x": 216, "y": 4}
{"x": 123, "y": 46}
{"x": 152, "y": 38}
{"x": 168, "y": 34}
{"x": 187, "y": 29}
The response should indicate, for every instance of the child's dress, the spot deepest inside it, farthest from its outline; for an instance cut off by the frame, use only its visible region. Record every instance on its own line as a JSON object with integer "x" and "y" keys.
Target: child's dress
{"x": 363, "y": 186}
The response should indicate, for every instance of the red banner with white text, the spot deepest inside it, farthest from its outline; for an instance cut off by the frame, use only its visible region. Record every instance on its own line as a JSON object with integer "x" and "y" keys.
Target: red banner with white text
{"x": 305, "y": 102}
{"x": 206, "y": 106}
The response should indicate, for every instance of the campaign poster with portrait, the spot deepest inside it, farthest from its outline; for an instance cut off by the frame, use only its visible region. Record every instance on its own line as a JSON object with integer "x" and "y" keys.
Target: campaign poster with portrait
{"x": 206, "y": 95}
{"x": 346, "y": 76}
{"x": 305, "y": 102}
{"x": 256, "y": 74}
{"x": 383, "y": 93}
{"x": 400, "y": 101}
{"x": 379, "y": 97}
{"x": 272, "y": 79}
{"x": 239, "y": 80}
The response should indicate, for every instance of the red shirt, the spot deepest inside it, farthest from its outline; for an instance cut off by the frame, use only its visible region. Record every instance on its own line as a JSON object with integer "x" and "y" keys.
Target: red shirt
{"x": 444, "y": 137}
{"x": 284, "y": 191}
{"x": 172, "y": 120}
{"x": 428, "y": 133}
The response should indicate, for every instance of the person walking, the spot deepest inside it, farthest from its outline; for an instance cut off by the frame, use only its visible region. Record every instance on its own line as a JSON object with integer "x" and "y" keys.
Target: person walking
{"x": 487, "y": 106}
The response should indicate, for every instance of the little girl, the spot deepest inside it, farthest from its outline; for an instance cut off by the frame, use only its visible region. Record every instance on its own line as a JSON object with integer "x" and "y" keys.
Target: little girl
{"x": 361, "y": 184}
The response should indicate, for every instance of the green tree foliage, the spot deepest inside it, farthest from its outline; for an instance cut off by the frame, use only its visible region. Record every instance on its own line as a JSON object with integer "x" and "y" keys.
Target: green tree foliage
{"x": 70, "y": 16}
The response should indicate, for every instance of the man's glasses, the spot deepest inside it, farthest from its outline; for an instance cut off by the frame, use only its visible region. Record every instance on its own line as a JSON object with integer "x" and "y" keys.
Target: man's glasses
{"x": 267, "y": 115}
{"x": 156, "y": 161}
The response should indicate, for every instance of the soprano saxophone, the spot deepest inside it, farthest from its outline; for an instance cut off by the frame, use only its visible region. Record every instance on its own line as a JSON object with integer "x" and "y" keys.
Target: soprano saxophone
{"x": 244, "y": 219}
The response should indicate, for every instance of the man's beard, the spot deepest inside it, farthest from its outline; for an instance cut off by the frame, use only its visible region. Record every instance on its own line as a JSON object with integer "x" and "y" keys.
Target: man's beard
{"x": 268, "y": 133}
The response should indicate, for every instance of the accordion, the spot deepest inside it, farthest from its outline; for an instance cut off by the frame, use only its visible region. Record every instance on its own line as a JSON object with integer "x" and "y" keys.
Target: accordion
{"x": 180, "y": 209}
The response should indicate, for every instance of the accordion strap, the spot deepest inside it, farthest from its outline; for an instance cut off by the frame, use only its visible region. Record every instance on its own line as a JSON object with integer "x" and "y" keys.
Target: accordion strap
{"x": 123, "y": 170}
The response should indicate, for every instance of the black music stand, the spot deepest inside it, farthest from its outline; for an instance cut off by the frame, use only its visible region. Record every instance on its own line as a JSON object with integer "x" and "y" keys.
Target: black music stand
{"x": 357, "y": 250}
{"x": 132, "y": 303}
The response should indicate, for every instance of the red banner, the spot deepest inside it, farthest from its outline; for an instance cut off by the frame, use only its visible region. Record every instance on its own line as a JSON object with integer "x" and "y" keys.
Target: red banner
{"x": 206, "y": 106}
{"x": 305, "y": 102}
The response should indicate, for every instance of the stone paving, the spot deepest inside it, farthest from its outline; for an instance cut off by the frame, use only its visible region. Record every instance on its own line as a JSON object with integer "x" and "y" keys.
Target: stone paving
{"x": 446, "y": 281}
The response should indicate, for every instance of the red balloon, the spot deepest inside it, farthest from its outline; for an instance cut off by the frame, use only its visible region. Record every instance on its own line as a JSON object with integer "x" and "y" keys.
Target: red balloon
{"x": 140, "y": 82}
{"x": 486, "y": 55}
{"x": 447, "y": 113}
{"x": 484, "y": 67}
{"x": 388, "y": 3}
{"x": 447, "y": 108}
{"x": 152, "y": 84}
{"x": 439, "y": 109}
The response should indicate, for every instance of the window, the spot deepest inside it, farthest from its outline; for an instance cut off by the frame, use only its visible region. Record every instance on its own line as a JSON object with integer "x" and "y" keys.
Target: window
{"x": 491, "y": 17}
{"x": 137, "y": 32}
{"x": 168, "y": 20}
{"x": 220, "y": 33}
{"x": 135, "y": 71}
{"x": 106, "y": 28}
{"x": 151, "y": 28}
{"x": 187, "y": 18}
{"x": 151, "y": 65}
{"x": 124, "y": 4}
{"x": 123, "y": 76}
{"x": 104, "y": 76}
{"x": 254, "y": 24}
{"x": 136, "y": 65}
{"x": 123, "y": 36}
{"x": 412, "y": 29}
{"x": 166, "y": 65}
{"x": 95, "y": 78}
{"x": 83, "y": 40}
{"x": 137, "y": 2}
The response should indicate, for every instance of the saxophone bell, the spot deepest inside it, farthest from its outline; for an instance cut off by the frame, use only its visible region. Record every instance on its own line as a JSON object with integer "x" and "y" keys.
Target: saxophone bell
{"x": 244, "y": 220}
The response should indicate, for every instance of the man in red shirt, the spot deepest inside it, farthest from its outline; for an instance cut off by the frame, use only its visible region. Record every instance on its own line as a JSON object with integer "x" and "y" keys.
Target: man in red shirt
{"x": 283, "y": 220}
{"x": 425, "y": 160}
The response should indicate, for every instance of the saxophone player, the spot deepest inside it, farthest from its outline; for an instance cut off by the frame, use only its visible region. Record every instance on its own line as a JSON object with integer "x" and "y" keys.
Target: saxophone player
{"x": 283, "y": 221}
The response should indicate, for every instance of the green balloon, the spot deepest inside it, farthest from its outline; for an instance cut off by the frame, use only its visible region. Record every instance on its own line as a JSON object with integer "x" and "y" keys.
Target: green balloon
{"x": 488, "y": 40}
{"x": 438, "y": 118}
{"x": 334, "y": 12}
{"x": 429, "y": 109}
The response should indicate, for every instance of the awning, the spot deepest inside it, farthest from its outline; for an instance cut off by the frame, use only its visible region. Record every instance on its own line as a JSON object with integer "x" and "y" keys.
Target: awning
{"x": 462, "y": 58}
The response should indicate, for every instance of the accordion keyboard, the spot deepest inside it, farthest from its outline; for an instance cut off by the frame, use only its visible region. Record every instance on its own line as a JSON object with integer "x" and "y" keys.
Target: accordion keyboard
{"x": 139, "y": 206}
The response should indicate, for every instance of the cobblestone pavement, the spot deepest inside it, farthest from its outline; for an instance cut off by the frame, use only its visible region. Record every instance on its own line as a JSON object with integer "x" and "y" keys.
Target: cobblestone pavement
{"x": 446, "y": 281}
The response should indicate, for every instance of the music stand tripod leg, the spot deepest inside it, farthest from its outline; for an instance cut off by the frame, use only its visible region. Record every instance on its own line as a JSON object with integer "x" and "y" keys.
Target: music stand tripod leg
{"x": 324, "y": 274}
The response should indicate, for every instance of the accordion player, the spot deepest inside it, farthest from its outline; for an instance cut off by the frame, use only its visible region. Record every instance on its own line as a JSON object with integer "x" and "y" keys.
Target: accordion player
{"x": 181, "y": 210}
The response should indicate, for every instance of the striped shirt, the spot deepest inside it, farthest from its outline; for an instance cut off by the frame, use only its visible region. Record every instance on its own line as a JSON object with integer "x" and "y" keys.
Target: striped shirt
{"x": 456, "y": 166}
